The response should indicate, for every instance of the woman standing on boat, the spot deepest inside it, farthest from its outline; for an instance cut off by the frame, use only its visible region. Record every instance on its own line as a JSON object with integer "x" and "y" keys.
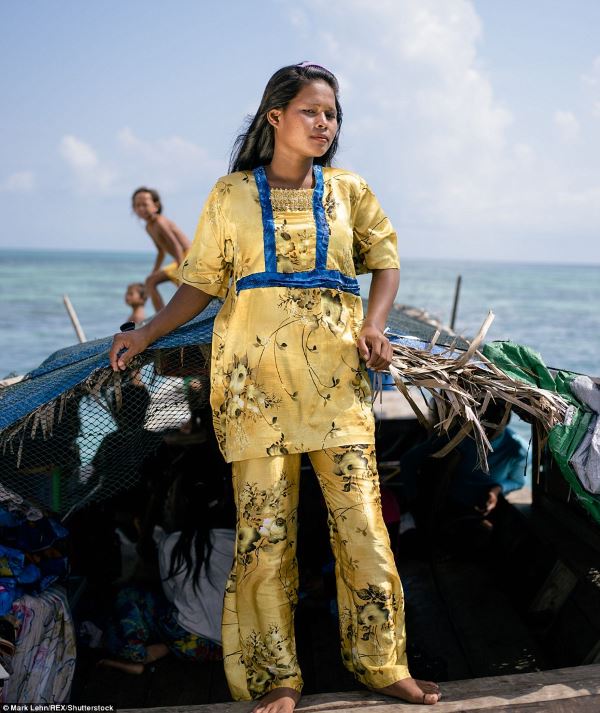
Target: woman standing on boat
{"x": 281, "y": 240}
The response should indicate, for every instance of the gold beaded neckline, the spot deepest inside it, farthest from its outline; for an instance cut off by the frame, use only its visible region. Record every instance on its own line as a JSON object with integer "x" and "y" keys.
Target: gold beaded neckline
{"x": 291, "y": 199}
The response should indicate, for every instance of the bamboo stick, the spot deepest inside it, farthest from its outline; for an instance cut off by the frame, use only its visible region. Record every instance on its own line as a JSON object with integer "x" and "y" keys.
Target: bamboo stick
{"x": 74, "y": 319}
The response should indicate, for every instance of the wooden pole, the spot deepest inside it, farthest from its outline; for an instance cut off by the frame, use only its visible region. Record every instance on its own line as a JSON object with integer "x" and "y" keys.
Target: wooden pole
{"x": 10, "y": 380}
{"x": 74, "y": 319}
{"x": 455, "y": 304}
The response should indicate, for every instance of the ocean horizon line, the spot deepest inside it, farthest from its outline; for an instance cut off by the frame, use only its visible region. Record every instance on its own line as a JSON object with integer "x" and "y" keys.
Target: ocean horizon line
{"x": 151, "y": 254}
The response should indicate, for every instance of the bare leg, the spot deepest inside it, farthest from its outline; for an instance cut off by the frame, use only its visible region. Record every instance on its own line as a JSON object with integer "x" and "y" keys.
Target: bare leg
{"x": 154, "y": 652}
{"x": 278, "y": 700}
{"x": 151, "y": 284}
{"x": 413, "y": 691}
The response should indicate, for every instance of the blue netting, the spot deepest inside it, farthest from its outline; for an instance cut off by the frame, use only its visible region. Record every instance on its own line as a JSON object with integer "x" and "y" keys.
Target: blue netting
{"x": 73, "y": 433}
{"x": 69, "y": 367}
{"x": 72, "y": 365}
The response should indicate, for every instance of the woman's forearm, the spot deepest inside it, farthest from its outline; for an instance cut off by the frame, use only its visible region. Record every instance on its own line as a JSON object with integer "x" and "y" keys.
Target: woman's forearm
{"x": 186, "y": 303}
{"x": 384, "y": 287}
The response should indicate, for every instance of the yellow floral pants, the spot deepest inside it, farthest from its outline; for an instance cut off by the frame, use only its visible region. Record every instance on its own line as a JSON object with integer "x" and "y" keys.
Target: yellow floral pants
{"x": 258, "y": 618}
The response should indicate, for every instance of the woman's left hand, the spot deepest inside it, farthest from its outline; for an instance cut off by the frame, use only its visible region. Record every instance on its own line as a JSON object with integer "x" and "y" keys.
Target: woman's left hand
{"x": 374, "y": 348}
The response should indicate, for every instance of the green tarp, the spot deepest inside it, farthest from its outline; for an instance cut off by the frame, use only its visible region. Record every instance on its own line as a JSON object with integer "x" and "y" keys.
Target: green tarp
{"x": 524, "y": 364}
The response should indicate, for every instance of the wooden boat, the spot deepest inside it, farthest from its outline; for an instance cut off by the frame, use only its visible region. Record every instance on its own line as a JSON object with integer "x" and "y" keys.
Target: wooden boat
{"x": 517, "y": 628}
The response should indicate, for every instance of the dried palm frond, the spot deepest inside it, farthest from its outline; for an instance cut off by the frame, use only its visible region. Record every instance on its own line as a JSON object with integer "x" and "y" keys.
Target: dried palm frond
{"x": 463, "y": 384}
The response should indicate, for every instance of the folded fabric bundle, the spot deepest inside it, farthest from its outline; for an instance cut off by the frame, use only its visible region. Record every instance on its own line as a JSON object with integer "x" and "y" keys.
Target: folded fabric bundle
{"x": 586, "y": 459}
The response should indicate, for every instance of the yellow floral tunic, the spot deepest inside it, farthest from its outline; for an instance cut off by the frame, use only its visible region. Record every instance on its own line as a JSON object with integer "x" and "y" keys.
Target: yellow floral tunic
{"x": 285, "y": 375}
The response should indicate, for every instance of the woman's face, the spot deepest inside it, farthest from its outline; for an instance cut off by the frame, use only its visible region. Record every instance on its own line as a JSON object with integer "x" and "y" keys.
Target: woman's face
{"x": 308, "y": 124}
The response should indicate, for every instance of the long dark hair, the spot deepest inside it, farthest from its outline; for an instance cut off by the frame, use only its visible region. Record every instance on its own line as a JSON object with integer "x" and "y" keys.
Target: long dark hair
{"x": 193, "y": 503}
{"x": 254, "y": 146}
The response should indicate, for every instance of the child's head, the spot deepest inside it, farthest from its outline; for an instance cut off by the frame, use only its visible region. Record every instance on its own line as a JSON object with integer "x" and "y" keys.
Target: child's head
{"x": 146, "y": 202}
{"x": 135, "y": 296}
{"x": 300, "y": 102}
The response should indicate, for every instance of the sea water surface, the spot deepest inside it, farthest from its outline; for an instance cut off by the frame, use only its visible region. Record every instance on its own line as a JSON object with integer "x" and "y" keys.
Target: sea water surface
{"x": 555, "y": 309}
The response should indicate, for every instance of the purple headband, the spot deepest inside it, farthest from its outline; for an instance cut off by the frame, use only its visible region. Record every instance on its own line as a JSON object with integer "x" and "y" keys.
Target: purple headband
{"x": 303, "y": 65}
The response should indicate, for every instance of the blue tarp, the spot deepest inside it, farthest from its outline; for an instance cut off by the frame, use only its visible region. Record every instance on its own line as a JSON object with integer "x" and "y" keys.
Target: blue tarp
{"x": 71, "y": 366}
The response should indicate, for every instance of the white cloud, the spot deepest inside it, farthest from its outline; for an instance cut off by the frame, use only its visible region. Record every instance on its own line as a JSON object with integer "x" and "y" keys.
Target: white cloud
{"x": 426, "y": 126}
{"x": 20, "y": 182}
{"x": 582, "y": 198}
{"x": 172, "y": 162}
{"x": 592, "y": 78}
{"x": 431, "y": 102}
{"x": 567, "y": 125}
{"x": 591, "y": 85}
{"x": 298, "y": 19}
{"x": 90, "y": 173}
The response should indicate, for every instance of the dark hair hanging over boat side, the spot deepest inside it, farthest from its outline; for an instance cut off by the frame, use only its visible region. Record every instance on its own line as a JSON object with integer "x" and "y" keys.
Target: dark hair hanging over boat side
{"x": 190, "y": 509}
{"x": 254, "y": 146}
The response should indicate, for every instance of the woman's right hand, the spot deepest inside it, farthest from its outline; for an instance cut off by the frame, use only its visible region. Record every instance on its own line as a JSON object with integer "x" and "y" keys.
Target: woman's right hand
{"x": 134, "y": 342}
{"x": 186, "y": 303}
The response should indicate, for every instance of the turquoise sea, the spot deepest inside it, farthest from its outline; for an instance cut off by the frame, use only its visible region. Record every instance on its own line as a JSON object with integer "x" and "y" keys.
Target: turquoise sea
{"x": 553, "y": 308}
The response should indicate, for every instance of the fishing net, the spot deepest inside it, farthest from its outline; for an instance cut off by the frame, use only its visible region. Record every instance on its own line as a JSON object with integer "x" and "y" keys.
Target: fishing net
{"x": 73, "y": 432}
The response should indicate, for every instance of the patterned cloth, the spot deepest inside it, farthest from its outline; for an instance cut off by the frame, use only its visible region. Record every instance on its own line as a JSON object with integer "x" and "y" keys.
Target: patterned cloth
{"x": 286, "y": 376}
{"x": 258, "y": 628}
{"x": 286, "y": 379}
{"x": 145, "y": 616}
{"x": 44, "y": 660}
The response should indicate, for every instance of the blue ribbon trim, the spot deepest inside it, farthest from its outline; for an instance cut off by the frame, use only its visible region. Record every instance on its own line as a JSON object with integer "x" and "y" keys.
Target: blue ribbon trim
{"x": 320, "y": 220}
{"x": 326, "y": 279}
{"x": 264, "y": 195}
{"x": 321, "y": 225}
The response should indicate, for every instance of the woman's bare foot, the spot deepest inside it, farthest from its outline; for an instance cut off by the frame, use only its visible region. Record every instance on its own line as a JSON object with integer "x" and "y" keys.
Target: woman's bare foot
{"x": 278, "y": 700}
{"x": 125, "y": 666}
{"x": 413, "y": 691}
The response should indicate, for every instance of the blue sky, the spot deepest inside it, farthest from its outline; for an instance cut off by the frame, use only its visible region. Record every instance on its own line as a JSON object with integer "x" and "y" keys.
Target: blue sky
{"x": 476, "y": 122}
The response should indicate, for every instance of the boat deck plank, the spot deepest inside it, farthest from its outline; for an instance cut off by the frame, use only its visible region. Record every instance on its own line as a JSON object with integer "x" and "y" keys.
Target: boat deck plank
{"x": 434, "y": 627}
{"x": 495, "y": 640}
{"x": 556, "y": 691}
